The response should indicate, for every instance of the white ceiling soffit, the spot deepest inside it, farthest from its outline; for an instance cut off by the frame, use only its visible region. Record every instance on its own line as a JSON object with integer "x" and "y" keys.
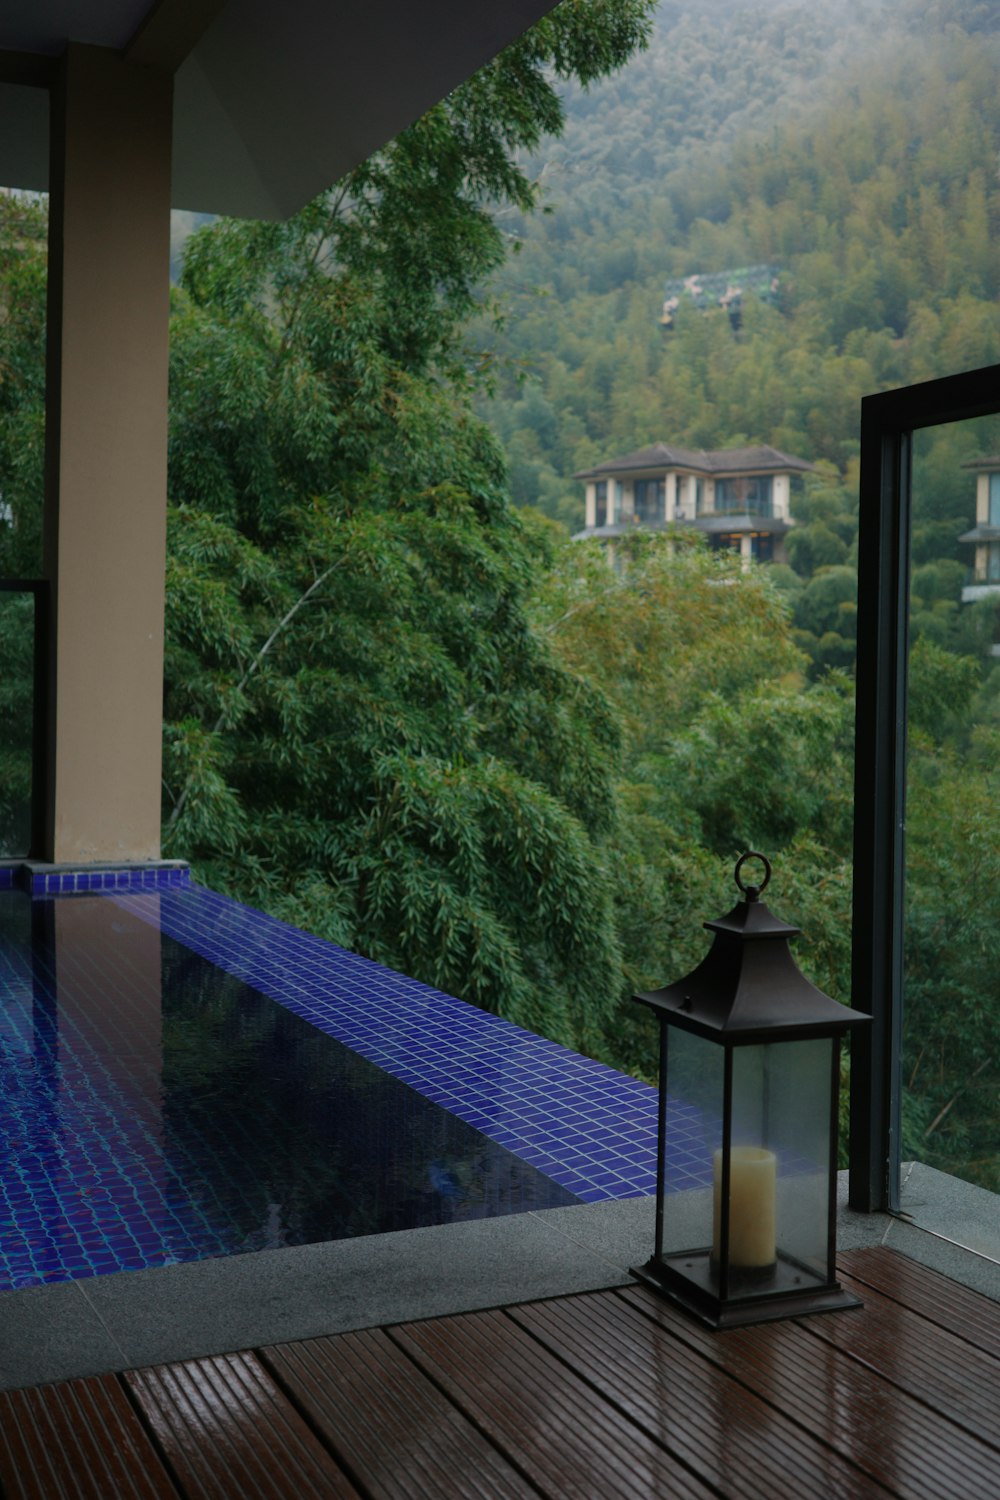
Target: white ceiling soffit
{"x": 279, "y": 100}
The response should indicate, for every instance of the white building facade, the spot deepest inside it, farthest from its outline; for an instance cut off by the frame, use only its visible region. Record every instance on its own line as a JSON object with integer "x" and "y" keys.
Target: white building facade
{"x": 985, "y": 535}
{"x": 741, "y": 497}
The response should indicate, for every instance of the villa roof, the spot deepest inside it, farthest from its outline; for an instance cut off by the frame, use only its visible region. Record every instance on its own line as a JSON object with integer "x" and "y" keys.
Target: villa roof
{"x": 981, "y": 534}
{"x": 720, "y": 462}
{"x": 989, "y": 462}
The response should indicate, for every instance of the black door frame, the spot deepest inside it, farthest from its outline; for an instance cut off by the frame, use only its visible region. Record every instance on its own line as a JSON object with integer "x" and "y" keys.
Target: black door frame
{"x": 888, "y": 422}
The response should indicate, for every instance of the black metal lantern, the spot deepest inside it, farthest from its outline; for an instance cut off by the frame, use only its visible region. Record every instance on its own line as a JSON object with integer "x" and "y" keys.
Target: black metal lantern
{"x": 746, "y": 1192}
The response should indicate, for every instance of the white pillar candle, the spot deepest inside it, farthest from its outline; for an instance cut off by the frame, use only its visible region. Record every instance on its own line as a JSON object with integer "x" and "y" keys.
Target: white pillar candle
{"x": 752, "y": 1179}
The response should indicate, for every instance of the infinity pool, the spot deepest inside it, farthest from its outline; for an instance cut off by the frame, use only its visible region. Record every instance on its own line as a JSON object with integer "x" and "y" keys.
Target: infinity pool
{"x": 154, "y": 1108}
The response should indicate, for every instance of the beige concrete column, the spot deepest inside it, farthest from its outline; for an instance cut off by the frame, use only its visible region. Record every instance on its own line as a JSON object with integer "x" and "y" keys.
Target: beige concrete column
{"x": 781, "y": 492}
{"x": 106, "y": 455}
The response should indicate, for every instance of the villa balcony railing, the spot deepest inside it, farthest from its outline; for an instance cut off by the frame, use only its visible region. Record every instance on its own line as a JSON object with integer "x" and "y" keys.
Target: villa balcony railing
{"x": 748, "y": 507}
{"x": 979, "y": 586}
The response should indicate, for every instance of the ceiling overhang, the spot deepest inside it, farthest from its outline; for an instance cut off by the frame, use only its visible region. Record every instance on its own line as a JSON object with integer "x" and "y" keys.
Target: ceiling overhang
{"x": 272, "y": 102}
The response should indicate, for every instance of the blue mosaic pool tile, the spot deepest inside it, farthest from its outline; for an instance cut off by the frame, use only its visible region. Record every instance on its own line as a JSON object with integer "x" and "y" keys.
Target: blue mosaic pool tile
{"x": 94, "y": 1198}
{"x": 594, "y": 1128}
{"x": 39, "y": 881}
{"x": 588, "y": 1128}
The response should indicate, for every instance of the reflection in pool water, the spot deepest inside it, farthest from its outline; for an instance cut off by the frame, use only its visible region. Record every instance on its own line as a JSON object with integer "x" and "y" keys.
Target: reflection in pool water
{"x": 157, "y": 1109}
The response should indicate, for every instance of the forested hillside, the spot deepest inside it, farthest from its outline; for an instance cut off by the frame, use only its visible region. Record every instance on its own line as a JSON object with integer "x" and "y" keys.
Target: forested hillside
{"x": 854, "y": 146}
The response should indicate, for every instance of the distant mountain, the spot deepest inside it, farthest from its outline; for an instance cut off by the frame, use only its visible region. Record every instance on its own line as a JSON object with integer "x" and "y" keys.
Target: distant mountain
{"x": 852, "y": 145}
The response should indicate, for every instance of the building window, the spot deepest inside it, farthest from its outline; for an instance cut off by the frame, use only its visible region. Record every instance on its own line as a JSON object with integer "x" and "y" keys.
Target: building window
{"x": 727, "y": 540}
{"x": 650, "y": 500}
{"x": 744, "y": 496}
{"x": 993, "y": 518}
{"x": 601, "y": 513}
{"x": 762, "y": 547}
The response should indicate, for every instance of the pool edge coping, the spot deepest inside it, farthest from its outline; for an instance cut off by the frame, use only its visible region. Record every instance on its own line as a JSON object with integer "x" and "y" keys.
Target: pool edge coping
{"x": 138, "y": 1318}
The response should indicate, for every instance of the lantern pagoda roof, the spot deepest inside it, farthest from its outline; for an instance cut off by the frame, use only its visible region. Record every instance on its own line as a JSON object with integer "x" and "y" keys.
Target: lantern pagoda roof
{"x": 748, "y": 987}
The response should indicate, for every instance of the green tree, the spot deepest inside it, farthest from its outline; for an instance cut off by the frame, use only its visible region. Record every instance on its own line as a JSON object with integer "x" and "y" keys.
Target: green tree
{"x": 669, "y": 623}
{"x": 723, "y": 748}
{"x": 23, "y": 260}
{"x": 767, "y": 764}
{"x": 363, "y": 733}
{"x": 816, "y": 546}
{"x": 23, "y": 226}
{"x": 952, "y": 948}
{"x": 364, "y": 736}
{"x": 826, "y": 618}
{"x": 17, "y": 686}
{"x": 941, "y": 688}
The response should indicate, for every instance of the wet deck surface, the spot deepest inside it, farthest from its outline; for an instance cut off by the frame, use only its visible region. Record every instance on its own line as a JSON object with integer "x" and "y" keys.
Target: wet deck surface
{"x": 602, "y": 1394}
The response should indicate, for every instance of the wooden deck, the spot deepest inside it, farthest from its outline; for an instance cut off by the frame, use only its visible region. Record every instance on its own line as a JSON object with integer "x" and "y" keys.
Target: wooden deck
{"x": 594, "y": 1396}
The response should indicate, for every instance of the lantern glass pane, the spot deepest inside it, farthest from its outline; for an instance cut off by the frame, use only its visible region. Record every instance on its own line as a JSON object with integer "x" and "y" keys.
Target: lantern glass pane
{"x": 695, "y": 1082}
{"x": 780, "y": 1169}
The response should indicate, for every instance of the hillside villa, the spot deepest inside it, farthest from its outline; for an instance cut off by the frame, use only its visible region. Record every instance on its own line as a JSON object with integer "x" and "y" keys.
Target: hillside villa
{"x": 985, "y": 535}
{"x": 720, "y": 289}
{"x": 741, "y": 497}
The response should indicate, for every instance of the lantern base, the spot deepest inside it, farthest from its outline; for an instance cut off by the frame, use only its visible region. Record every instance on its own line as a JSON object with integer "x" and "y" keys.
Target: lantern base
{"x": 741, "y": 1277}
{"x": 793, "y": 1291}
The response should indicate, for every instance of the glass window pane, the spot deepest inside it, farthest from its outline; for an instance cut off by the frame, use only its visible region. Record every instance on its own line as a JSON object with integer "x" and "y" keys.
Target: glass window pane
{"x": 649, "y": 500}
{"x": 950, "y": 1116}
{"x": 601, "y": 503}
{"x": 17, "y": 720}
{"x": 17, "y": 709}
{"x": 695, "y": 1081}
{"x": 781, "y": 1114}
{"x": 994, "y": 499}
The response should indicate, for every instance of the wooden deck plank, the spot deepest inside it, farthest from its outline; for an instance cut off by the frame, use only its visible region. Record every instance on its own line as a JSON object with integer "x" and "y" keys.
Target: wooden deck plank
{"x": 227, "y": 1430}
{"x": 548, "y": 1421}
{"x": 967, "y": 1314}
{"x": 896, "y": 1440}
{"x": 721, "y": 1429}
{"x": 372, "y": 1404}
{"x": 921, "y": 1358}
{"x": 612, "y": 1395}
{"x": 78, "y": 1440}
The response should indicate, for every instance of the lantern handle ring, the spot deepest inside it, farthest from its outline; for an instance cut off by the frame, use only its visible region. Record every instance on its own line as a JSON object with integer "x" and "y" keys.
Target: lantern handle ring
{"x": 751, "y": 892}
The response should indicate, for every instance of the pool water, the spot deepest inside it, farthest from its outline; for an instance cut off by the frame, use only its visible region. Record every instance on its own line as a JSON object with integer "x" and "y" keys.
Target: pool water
{"x": 155, "y": 1108}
